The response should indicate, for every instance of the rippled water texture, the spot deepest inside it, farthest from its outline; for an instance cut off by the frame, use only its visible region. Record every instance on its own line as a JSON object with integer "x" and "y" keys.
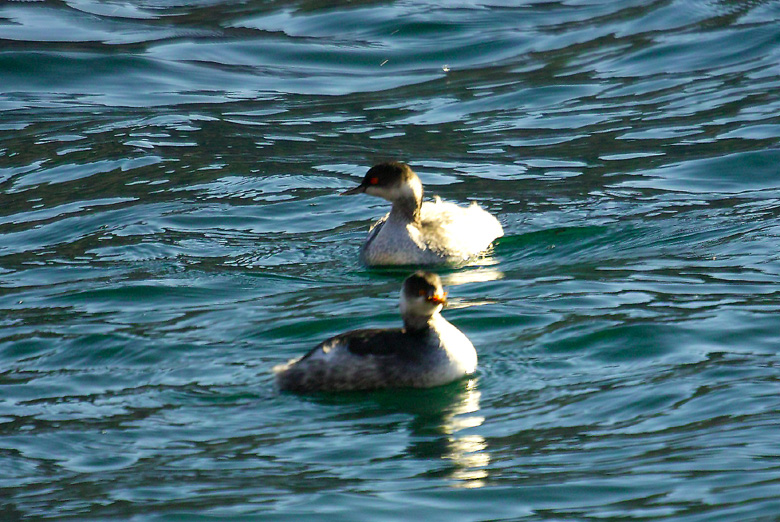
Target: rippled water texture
{"x": 170, "y": 229}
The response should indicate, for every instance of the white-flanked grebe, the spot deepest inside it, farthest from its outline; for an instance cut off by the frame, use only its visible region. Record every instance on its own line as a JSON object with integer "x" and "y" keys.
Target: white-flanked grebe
{"x": 417, "y": 233}
{"x": 428, "y": 351}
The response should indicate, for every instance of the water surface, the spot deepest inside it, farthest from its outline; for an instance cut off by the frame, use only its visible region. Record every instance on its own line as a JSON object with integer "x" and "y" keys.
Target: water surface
{"x": 171, "y": 228}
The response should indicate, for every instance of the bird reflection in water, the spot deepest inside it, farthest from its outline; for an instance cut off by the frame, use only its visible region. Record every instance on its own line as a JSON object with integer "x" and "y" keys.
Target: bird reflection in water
{"x": 441, "y": 431}
{"x": 444, "y": 431}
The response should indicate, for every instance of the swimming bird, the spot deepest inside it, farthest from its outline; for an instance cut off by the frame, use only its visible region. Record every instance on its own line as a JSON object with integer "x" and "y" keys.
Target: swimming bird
{"x": 428, "y": 351}
{"x": 421, "y": 233}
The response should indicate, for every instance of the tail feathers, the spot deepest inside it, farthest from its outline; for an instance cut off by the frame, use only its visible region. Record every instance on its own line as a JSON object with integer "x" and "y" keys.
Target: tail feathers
{"x": 287, "y": 376}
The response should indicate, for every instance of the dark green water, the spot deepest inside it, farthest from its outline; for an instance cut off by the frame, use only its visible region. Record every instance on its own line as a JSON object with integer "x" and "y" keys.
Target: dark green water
{"x": 170, "y": 229}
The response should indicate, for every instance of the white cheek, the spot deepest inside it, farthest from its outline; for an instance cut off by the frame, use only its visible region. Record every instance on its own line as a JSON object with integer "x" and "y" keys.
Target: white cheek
{"x": 389, "y": 193}
{"x": 418, "y": 306}
{"x": 381, "y": 192}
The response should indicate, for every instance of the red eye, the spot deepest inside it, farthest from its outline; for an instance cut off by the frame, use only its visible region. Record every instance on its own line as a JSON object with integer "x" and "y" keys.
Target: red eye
{"x": 421, "y": 292}
{"x": 374, "y": 181}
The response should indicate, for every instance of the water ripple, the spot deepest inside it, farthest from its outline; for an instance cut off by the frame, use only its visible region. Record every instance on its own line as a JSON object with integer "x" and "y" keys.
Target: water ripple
{"x": 171, "y": 229}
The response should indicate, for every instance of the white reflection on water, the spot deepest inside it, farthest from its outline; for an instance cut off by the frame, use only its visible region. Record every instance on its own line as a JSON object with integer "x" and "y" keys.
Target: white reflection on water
{"x": 482, "y": 274}
{"x": 479, "y": 275}
{"x": 467, "y": 452}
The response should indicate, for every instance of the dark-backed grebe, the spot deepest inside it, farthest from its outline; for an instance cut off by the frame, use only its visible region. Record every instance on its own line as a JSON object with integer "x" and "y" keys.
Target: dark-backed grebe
{"x": 428, "y": 351}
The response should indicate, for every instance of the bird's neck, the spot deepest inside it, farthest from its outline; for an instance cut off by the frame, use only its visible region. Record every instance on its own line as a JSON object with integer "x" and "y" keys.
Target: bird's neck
{"x": 415, "y": 323}
{"x": 407, "y": 204}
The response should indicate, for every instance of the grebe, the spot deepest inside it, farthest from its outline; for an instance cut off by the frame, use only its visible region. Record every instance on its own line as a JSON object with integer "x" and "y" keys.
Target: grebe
{"x": 428, "y": 351}
{"x": 417, "y": 233}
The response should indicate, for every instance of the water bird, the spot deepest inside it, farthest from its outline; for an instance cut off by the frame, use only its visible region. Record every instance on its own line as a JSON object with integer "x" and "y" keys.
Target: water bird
{"x": 421, "y": 233}
{"x": 428, "y": 351}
